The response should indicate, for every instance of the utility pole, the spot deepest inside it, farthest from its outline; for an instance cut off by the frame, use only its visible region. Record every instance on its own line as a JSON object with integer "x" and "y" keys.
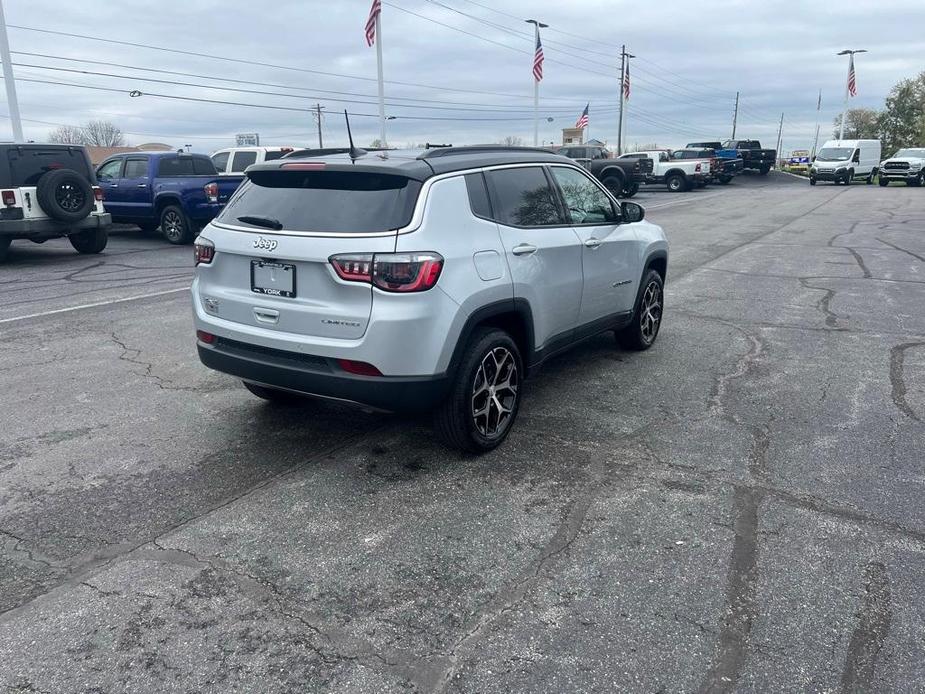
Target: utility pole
{"x": 735, "y": 117}
{"x": 850, "y": 87}
{"x": 816, "y": 138}
{"x": 780, "y": 131}
{"x": 624, "y": 68}
{"x": 8, "y": 79}
{"x": 317, "y": 114}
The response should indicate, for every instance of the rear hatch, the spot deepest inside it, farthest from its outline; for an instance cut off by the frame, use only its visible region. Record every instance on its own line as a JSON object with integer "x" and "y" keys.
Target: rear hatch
{"x": 274, "y": 240}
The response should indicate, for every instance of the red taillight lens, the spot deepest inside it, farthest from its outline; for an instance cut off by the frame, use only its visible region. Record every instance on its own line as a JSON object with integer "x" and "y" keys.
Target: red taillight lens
{"x": 97, "y": 193}
{"x": 390, "y": 272}
{"x": 353, "y": 267}
{"x": 9, "y": 198}
{"x": 211, "y": 190}
{"x": 360, "y": 368}
{"x": 203, "y": 336}
{"x": 203, "y": 251}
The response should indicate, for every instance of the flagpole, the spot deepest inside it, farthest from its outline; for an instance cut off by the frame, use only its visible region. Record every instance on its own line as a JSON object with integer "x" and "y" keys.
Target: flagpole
{"x": 844, "y": 111}
{"x": 536, "y": 93}
{"x": 818, "y": 109}
{"x": 381, "y": 81}
{"x": 622, "y": 87}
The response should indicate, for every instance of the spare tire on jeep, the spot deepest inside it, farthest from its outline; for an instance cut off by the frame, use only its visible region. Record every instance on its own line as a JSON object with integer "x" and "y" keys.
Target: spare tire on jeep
{"x": 65, "y": 195}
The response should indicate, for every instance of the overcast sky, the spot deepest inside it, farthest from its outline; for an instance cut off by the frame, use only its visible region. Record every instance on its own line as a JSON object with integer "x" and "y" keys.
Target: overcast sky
{"x": 447, "y": 86}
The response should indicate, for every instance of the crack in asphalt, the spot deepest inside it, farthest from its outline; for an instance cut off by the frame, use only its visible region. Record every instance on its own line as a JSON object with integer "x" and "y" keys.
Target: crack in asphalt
{"x": 897, "y": 379}
{"x": 902, "y": 250}
{"x": 869, "y": 635}
{"x": 824, "y": 304}
{"x": 859, "y": 259}
{"x": 741, "y": 369}
{"x": 133, "y": 356}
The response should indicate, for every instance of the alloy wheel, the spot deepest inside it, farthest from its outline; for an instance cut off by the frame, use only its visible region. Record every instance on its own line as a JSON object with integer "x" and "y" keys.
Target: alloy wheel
{"x": 172, "y": 225}
{"x": 650, "y": 312}
{"x": 495, "y": 392}
{"x": 69, "y": 197}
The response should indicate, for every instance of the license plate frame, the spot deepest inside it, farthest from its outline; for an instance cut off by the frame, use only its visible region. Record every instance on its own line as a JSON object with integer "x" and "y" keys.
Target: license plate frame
{"x": 264, "y": 272}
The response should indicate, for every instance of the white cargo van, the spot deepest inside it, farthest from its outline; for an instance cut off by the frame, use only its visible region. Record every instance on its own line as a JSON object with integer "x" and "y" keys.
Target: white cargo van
{"x": 843, "y": 161}
{"x": 235, "y": 159}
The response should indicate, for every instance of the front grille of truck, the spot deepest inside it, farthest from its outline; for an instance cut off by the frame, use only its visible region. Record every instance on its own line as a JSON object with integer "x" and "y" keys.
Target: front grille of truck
{"x": 897, "y": 165}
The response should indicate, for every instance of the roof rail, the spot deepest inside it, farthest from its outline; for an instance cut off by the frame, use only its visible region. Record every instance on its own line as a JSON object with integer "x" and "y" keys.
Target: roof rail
{"x": 477, "y": 149}
{"x": 327, "y": 151}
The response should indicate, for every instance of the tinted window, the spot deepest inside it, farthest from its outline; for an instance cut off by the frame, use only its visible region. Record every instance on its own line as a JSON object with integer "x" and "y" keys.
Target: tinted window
{"x": 523, "y": 197}
{"x": 478, "y": 195}
{"x": 586, "y": 202}
{"x": 242, "y": 160}
{"x": 136, "y": 168}
{"x": 329, "y": 201}
{"x": 270, "y": 156}
{"x": 29, "y": 164}
{"x": 220, "y": 161}
{"x": 175, "y": 166}
{"x": 203, "y": 166}
{"x": 110, "y": 169}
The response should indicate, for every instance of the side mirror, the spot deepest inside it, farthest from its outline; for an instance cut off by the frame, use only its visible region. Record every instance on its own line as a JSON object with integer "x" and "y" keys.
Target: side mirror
{"x": 632, "y": 212}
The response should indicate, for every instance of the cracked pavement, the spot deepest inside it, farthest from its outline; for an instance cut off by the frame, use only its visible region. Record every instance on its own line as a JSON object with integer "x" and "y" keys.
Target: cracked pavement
{"x": 736, "y": 510}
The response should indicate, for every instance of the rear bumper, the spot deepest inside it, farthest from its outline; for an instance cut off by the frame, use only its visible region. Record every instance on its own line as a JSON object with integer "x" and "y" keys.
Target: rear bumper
{"x": 50, "y": 228}
{"x": 322, "y": 377}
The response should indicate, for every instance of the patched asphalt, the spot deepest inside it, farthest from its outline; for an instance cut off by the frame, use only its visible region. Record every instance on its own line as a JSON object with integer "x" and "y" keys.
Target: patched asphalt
{"x": 737, "y": 509}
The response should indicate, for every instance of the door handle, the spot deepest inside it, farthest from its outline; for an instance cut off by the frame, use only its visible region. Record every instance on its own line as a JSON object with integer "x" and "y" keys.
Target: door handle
{"x": 142, "y": 185}
{"x": 523, "y": 249}
{"x": 592, "y": 243}
{"x": 113, "y": 185}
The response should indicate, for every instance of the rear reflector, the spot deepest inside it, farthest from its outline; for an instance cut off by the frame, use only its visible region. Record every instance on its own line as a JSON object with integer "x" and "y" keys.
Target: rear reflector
{"x": 303, "y": 166}
{"x": 203, "y": 336}
{"x": 9, "y": 198}
{"x": 360, "y": 368}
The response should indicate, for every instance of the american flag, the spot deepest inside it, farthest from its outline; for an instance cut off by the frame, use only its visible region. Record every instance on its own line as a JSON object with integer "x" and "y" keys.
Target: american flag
{"x": 583, "y": 118}
{"x": 537, "y": 57}
{"x": 852, "y": 80}
{"x": 626, "y": 81}
{"x": 371, "y": 22}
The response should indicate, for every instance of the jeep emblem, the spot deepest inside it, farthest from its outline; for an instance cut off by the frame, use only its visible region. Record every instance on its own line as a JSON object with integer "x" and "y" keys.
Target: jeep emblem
{"x": 266, "y": 244}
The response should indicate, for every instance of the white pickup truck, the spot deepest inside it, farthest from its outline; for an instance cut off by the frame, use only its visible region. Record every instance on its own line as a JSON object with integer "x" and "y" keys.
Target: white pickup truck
{"x": 234, "y": 160}
{"x": 677, "y": 174}
{"x": 906, "y": 165}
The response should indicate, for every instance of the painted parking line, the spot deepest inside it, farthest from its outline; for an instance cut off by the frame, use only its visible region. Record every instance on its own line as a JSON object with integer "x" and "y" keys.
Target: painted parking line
{"x": 95, "y": 304}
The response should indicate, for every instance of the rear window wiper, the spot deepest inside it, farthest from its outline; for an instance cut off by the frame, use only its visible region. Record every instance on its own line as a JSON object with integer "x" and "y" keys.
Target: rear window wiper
{"x": 266, "y": 222}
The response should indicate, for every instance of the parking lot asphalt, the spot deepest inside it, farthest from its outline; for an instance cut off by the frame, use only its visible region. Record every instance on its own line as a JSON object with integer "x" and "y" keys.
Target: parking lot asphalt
{"x": 737, "y": 509}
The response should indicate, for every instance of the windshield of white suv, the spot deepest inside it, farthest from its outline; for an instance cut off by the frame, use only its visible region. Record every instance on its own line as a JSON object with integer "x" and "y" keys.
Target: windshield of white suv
{"x": 330, "y": 201}
{"x": 918, "y": 153}
{"x": 835, "y": 153}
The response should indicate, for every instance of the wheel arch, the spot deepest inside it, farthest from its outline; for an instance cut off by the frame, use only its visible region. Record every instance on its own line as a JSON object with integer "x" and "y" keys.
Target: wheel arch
{"x": 613, "y": 170}
{"x": 514, "y": 316}
{"x": 676, "y": 172}
{"x": 163, "y": 200}
{"x": 658, "y": 261}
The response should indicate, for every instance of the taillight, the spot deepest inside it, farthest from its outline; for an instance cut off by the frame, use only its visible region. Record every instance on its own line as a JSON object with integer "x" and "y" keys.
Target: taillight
{"x": 98, "y": 193}
{"x": 390, "y": 272}
{"x": 360, "y": 368}
{"x": 9, "y": 197}
{"x": 211, "y": 190}
{"x": 697, "y": 168}
{"x": 203, "y": 336}
{"x": 203, "y": 251}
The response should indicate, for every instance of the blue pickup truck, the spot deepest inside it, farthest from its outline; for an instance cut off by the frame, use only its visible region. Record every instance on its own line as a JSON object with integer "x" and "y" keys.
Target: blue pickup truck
{"x": 176, "y": 191}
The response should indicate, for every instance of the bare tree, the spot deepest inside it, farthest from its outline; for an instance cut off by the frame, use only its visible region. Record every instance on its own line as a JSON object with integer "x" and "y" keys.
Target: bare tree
{"x": 96, "y": 133}
{"x": 67, "y": 135}
{"x": 512, "y": 141}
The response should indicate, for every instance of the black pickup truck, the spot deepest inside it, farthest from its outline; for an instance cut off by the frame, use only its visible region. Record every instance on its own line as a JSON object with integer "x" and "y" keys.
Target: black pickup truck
{"x": 753, "y": 157}
{"x": 621, "y": 177}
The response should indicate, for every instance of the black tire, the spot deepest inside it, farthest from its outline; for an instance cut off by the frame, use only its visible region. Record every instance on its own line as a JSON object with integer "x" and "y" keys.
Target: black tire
{"x": 614, "y": 184}
{"x": 724, "y": 180}
{"x": 4, "y": 248}
{"x": 917, "y": 182}
{"x": 676, "y": 183}
{"x": 870, "y": 178}
{"x": 884, "y": 182}
{"x": 642, "y": 331}
{"x": 812, "y": 181}
{"x": 630, "y": 189}
{"x": 89, "y": 241}
{"x": 65, "y": 195}
{"x": 275, "y": 396}
{"x": 479, "y": 372}
{"x": 764, "y": 170}
{"x": 176, "y": 226}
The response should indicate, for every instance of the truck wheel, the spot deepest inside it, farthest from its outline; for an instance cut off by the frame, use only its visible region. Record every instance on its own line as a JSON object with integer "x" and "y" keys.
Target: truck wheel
{"x": 764, "y": 170}
{"x": 4, "y": 248}
{"x": 65, "y": 195}
{"x": 485, "y": 394}
{"x": 917, "y": 181}
{"x": 812, "y": 181}
{"x": 724, "y": 180}
{"x": 176, "y": 226}
{"x": 614, "y": 184}
{"x": 89, "y": 240}
{"x": 640, "y": 334}
{"x": 676, "y": 183}
{"x": 630, "y": 190}
{"x": 884, "y": 182}
{"x": 849, "y": 177}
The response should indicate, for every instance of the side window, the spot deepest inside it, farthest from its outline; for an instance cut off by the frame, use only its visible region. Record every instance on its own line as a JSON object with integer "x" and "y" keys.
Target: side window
{"x": 109, "y": 170}
{"x": 857, "y": 156}
{"x": 478, "y": 195}
{"x": 221, "y": 161}
{"x": 242, "y": 160}
{"x": 663, "y": 156}
{"x": 136, "y": 168}
{"x": 175, "y": 166}
{"x": 203, "y": 166}
{"x": 586, "y": 202}
{"x": 523, "y": 197}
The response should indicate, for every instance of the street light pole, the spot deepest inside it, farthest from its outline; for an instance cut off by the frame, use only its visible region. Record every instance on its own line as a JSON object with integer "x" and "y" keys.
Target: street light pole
{"x": 8, "y": 80}
{"x": 536, "y": 83}
{"x": 844, "y": 113}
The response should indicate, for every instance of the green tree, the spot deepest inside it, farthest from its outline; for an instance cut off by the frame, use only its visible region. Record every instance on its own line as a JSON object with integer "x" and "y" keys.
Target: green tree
{"x": 860, "y": 124}
{"x": 903, "y": 121}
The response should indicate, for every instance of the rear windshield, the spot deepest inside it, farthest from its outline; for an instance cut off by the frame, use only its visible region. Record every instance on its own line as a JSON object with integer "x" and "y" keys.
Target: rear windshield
{"x": 325, "y": 201}
{"x": 185, "y": 166}
{"x": 29, "y": 164}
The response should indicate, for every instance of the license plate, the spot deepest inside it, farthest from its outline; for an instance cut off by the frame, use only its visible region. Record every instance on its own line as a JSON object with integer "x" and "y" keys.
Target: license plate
{"x": 273, "y": 279}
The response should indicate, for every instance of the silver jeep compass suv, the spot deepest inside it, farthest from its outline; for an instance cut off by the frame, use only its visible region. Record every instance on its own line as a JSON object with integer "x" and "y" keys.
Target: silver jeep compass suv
{"x": 434, "y": 281}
